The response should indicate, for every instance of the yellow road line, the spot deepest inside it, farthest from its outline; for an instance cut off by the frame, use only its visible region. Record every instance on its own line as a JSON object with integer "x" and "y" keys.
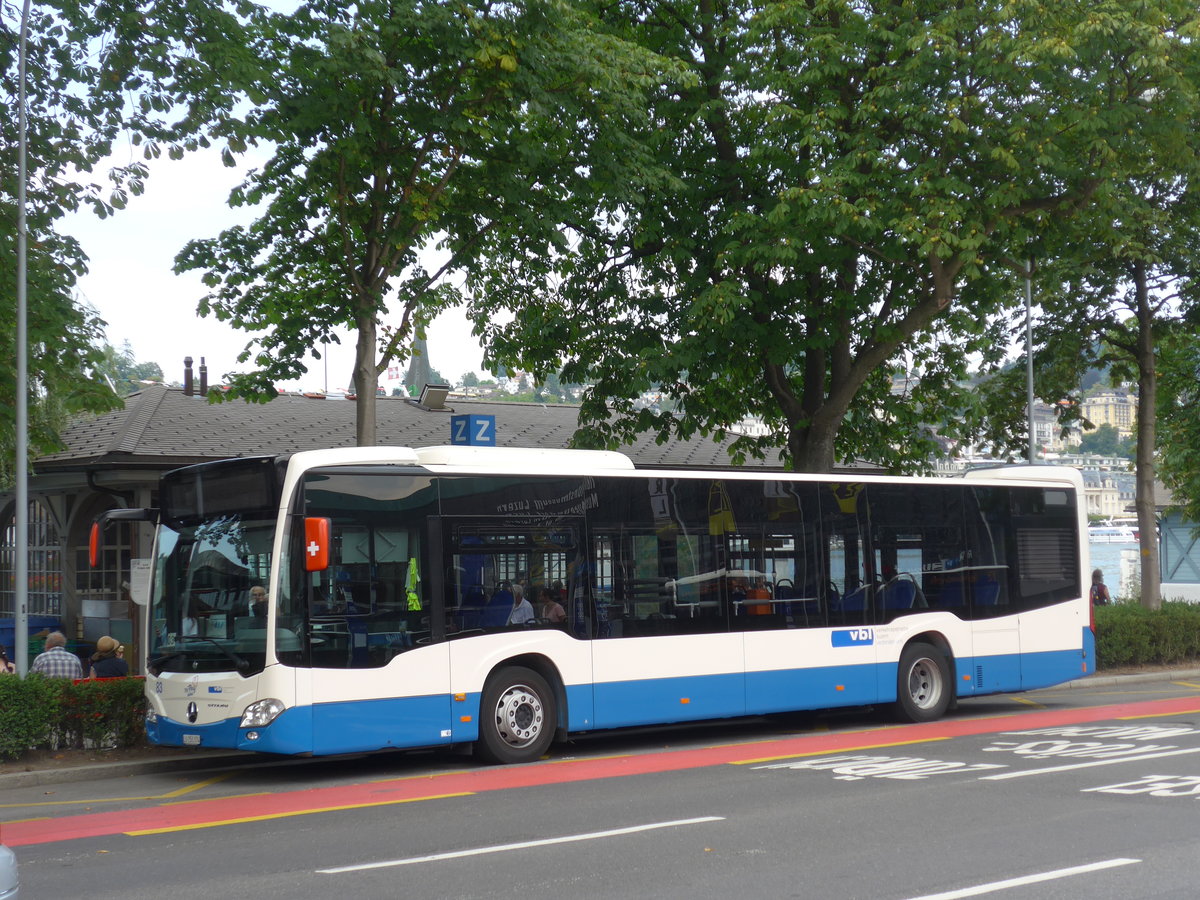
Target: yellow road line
{"x": 827, "y": 751}
{"x": 1182, "y": 712}
{"x": 1027, "y": 702}
{"x": 195, "y": 787}
{"x": 285, "y": 815}
{"x": 167, "y": 796}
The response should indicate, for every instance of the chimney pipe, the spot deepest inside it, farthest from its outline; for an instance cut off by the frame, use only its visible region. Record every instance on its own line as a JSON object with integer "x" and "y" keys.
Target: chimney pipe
{"x": 188, "y": 387}
{"x": 203, "y": 378}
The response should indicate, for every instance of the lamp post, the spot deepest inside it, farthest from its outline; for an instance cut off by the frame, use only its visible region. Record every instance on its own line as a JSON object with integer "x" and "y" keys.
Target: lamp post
{"x": 1029, "y": 359}
{"x": 21, "y": 562}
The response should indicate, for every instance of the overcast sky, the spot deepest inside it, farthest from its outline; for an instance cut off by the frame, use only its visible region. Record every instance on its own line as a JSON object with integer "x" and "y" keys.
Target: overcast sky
{"x": 131, "y": 286}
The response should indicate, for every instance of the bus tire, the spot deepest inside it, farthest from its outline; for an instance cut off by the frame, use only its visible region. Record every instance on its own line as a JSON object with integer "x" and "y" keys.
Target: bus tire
{"x": 923, "y": 685}
{"x": 517, "y": 717}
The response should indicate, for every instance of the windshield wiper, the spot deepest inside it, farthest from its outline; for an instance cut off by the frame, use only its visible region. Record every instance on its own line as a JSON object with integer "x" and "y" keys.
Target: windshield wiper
{"x": 242, "y": 665}
{"x": 157, "y": 662}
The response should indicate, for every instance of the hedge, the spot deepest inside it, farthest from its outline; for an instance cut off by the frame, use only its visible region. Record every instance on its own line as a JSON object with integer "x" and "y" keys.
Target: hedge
{"x": 56, "y": 713}
{"x": 1128, "y": 634}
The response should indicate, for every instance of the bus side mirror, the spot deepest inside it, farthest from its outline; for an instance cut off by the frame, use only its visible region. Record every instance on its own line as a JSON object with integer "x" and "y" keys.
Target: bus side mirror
{"x": 94, "y": 545}
{"x": 316, "y": 544}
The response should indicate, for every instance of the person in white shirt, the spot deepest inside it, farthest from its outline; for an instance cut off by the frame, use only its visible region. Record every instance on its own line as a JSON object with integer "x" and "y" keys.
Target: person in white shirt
{"x": 522, "y": 610}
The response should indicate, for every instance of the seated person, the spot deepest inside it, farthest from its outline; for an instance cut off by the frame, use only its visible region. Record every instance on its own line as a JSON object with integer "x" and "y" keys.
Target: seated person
{"x": 549, "y": 608}
{"x": 522, "y": 610}
{"x": 258, "y": 601}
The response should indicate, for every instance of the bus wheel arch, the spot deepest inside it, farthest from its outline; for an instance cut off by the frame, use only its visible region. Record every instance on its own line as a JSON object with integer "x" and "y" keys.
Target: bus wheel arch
{"x": 520, "y": 710}
{"x": 925, "y": 685}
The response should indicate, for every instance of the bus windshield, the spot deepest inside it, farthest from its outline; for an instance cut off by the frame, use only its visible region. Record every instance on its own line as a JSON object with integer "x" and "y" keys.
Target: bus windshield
{"x": 209, "y": 609}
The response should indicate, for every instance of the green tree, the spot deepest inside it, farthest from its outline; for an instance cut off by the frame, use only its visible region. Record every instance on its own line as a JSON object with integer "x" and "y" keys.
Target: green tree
{"x": 850, "y": 190}
{"x": 84, "y": 63}
{"x": 470, "y": 379}
{"x": 123, "y": 372}
{"x": 395, "y": 126}
{"x": 1121, "y": 286}
{"x": 1179, "y": 456}
{"x": 1104, "y": 440}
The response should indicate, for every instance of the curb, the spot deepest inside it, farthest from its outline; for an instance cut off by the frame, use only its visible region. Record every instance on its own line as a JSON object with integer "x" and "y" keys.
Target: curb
{"x": 1131, "y": 678}
{"x": 92, "y": 771}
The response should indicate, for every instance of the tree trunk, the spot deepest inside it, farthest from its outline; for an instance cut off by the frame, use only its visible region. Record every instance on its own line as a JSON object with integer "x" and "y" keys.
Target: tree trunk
{"x": 811, "y": 447}
{"x": 364, "y": 381}
{"x": 1147, "y": 514}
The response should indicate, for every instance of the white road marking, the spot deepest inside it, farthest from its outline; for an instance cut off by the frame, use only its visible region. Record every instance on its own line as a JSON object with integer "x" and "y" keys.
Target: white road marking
{"x": 1027, "y": 879}
{"x": 1087, "y": 765}
{"x": 523, "y": 845}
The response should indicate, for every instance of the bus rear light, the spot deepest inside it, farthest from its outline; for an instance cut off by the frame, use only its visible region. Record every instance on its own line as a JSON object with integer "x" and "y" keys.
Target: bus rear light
{"x": 94, "y": 545}
{"x": 261, "y": 713}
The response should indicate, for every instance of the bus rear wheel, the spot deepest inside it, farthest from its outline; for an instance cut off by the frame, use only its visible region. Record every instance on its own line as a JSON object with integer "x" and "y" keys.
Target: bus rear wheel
{"x": 517, "y": 717}
{"x": 922, "y": 683}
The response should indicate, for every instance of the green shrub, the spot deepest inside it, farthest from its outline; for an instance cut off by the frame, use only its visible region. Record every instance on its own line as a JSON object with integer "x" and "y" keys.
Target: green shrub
{"x": 27, "y": 711}
{"x": 1128, "y": 634}
{"x": 56, "y": 713}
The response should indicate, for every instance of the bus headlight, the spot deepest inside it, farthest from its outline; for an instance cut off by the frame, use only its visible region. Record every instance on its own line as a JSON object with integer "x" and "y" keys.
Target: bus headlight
{"x": 261, "y": 713}
{"x": 151, "y": 716}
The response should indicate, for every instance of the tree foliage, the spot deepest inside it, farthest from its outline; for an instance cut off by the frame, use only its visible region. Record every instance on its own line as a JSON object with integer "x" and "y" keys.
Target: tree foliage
{"x": 1119, "y": 285}
{"x": 397, "y": 127}
{"x": 841, "y": 197}
{"x": 123, "y": 373}
{"x": 84, "y": 62}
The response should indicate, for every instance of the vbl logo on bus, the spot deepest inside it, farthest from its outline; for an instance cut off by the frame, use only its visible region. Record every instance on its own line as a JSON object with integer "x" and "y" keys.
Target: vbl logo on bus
{"x": 854, "y": 637}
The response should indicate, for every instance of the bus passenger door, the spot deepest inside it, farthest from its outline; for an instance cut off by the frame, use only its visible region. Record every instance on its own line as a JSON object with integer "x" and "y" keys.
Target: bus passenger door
{"x": 662, "y": 648}
{"x": 515, "y": 588}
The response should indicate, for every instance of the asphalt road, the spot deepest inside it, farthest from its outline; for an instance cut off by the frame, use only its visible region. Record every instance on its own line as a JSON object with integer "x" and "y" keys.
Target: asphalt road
{"x": 1063, "y": 793}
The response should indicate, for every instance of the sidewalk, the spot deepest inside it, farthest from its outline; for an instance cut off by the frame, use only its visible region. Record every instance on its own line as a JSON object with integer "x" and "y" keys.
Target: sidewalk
{"x": 155, "y": 760}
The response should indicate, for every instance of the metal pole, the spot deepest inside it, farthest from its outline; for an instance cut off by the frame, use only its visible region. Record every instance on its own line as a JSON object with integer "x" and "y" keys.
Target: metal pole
{"x": 21, "y": 562}
{"x": 1029, "y": 359}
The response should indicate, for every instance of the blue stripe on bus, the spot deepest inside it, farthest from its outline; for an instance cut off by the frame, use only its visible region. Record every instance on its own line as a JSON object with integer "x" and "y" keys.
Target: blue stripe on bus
{"x": 376, "y": 724}
{"x": 817, "y": 688}
{"x": 171, "y": 733}
{"x": 662, "y": 700}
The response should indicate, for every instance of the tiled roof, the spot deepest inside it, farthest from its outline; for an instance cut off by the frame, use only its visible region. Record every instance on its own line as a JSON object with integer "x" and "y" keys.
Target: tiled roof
{"x": 161, "y": 427}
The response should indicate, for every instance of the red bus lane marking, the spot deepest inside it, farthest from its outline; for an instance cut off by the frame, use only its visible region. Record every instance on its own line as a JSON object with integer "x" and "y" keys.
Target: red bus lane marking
{"x": 231, "y": 810}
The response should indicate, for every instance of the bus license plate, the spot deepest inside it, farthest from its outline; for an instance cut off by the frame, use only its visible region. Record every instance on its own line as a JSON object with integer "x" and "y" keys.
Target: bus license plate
{"x": 191, "y": 740}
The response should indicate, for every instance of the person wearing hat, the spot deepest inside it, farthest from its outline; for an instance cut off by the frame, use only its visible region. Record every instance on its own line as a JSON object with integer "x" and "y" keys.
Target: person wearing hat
{"x": 109, "y": 659}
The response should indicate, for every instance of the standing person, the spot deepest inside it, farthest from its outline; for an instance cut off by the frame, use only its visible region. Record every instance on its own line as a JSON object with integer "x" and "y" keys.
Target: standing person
{"x": 1099, "y": 593}
{"x": 6, "y": 667}
{"x": 55, "y": 661}
{"x": 109, "y": 659}
{"x": 522, "y": 610}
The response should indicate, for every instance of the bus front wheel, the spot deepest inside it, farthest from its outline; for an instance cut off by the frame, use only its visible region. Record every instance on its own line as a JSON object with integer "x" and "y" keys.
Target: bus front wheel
{"x": 923, "y": 685}
{"x": 517, "y": 717}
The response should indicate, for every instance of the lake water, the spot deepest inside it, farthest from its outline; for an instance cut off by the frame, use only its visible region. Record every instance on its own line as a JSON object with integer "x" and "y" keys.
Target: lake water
{"x": 1119, "y": 563}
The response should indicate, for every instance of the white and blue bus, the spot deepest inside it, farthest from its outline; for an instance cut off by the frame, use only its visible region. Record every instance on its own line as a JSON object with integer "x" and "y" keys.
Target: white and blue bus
{"x": 391, "y": 575}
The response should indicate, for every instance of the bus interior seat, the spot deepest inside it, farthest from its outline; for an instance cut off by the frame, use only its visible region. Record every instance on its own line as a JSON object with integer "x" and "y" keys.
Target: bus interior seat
{"x": 855, "y": 601}
{"x": 900, "y": 592}
{"x": 987, "y": 593}
{"x": 951, "y": 595}
{"x": 496, "y": 614}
